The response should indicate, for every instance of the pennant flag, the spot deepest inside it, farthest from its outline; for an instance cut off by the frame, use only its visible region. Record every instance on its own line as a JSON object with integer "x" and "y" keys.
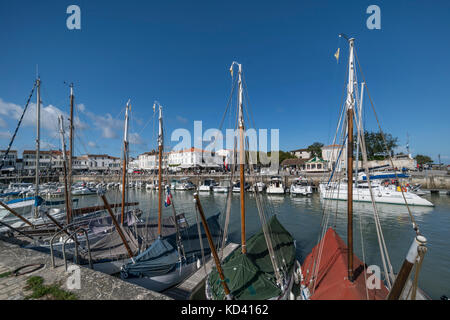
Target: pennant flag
{"x": 336, "y": 55}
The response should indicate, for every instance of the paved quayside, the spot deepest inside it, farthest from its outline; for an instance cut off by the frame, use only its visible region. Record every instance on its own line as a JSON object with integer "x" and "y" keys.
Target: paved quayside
{"x": 93, "y": 285}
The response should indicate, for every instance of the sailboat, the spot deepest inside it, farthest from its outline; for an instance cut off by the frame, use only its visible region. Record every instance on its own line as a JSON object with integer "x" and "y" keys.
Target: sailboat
{"x": 171, "y": 258}
{"x": 332, "y": 271}
{"x": 262, "y": 267}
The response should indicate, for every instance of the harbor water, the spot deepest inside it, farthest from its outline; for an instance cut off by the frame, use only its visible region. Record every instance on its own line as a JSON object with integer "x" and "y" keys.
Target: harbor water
{"x": 302, "y": 217}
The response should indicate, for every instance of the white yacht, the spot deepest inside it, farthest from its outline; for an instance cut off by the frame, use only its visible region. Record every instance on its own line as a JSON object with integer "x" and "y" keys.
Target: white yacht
{"x": 383, "y": 192}
{"x": 223, "y": 187}
{"x": 276, "y": 186}
{"x": 301, "y": 186}
{"x": 182, "y": 184}
{"x": 207, "y": 185}
{"x": 259, "y": 186}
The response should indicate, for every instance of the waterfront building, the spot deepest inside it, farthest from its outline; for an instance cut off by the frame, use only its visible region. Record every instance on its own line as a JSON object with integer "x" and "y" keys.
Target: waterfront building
{"x": 49, "y": 160}
{"x": 9, "y": 164}
{"x": 97, "y": 162}
{"x": 330, "y": 154}
{"x": 316, "y": 164}
{"x": 193, "y": 158}
{"x": 301, "y": 153}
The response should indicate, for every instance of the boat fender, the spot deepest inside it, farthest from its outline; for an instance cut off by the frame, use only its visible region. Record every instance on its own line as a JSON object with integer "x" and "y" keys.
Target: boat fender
{"x": 123, "y": 274}
{"x": 199, "y": 264}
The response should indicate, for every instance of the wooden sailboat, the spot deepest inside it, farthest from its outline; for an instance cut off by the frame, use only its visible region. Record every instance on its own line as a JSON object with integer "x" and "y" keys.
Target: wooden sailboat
{"x": 262, "y": 267}
{"x": 332, "y": 271}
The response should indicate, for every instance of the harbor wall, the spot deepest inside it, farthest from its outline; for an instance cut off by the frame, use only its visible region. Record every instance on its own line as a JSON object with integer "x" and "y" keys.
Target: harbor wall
{"x": 428, "y": 180}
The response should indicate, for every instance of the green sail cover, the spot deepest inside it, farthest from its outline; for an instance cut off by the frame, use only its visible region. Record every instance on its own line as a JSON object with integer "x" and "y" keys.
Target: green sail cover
{"x": 251, "y": 276}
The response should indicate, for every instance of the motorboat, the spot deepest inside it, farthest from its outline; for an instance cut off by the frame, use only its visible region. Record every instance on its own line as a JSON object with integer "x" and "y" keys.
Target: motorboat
{"x": 223, "y": 187}
{"x": 207, "y": 185}
{"x": 276, "y": 186}
{"x": 301, "y": 186}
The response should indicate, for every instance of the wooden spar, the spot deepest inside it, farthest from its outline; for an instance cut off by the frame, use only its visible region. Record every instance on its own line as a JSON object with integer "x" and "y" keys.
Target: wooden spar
{"x": 124, "y": 178}
{"x": 350, "y": 104}
{"x": 38, "y": 139}
{"x": 350, "y": 193}
{"x": 116, "y": 224}
{"x": 60, "y": 227}
{"x": 66, "y": 187}
{"x": 403, "y": 275}
{"x": 125, "y": 159}
{"x": 16, "y": 230}
{"x": 213, "y": 248}
{"x": 71, "y": 135}
{"x": 159, "y": 191}
{"x": 160, "y": 151}
{"x": 242, "y": 162}
{"x": 16, "y": 214}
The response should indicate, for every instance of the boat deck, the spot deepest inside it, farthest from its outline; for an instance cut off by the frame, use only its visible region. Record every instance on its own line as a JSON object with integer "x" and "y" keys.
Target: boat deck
{"x": 185, "y": 289}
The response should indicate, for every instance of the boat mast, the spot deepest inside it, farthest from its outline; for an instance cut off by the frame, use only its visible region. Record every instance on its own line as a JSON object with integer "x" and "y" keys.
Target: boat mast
{"x": 125, "y": 159}
{"x": 350, "y": 104}
{"x": 38, "y": 138}
{"x": 160, "y": 150}
{"x": 71, "y": 135}
{"x": 66, "y": 187}
{"x": 241, "y": 157}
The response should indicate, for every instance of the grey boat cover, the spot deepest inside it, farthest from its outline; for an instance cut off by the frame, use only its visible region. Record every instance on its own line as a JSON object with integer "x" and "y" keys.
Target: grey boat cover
{"x": 104, "y": 224}
{"x": 110, "y": 246}
{"x": 162, "y": 256}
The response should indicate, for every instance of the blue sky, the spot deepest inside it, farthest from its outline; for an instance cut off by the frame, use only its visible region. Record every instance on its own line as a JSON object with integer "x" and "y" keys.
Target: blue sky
{"x": 179, "y": 52}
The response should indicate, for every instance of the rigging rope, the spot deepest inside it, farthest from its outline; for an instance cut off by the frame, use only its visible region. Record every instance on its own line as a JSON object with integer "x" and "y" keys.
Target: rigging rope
{"x": 17, "y": 127}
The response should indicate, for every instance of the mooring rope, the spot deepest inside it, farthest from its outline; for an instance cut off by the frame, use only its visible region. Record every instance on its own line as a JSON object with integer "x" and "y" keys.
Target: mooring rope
{"x": 17, "y": 127}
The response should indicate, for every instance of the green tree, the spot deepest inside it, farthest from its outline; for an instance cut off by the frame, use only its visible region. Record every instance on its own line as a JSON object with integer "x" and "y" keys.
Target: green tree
{"x": 421, "y": 159}
{"x": 315, "y": 149}
{"x": 375, "y": 146}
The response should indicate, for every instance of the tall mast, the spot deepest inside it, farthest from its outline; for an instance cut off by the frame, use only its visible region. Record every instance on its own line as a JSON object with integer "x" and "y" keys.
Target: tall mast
{"x": 350, "y": 102}
{"x": 66, "y": 187}
{"x": 160, "y": 151}
{"x": 125, "y": 159}
{"x": 71, "y": 135}
{"x": 38, "y": 138}
{"x": 241, "y": 160}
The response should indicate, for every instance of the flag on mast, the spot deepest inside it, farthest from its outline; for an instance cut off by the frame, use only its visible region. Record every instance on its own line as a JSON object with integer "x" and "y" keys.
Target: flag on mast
{"x": 168, "y": 201}
{"x": 336, "y": 55}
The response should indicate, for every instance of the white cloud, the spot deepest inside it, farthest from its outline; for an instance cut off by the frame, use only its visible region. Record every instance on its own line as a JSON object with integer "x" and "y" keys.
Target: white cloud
{"x": 181, "y": 119}
{"x": 81, "y": 107}
{"x": 3, "y": 123}
{"x": 47, "y": 145}
{"x": 108, "y": 126}
{"x": 135, "y": 138}
{"x": 5, "y": 135}
{"x": 48, "y": 115}
{"x": 92, "y": 144}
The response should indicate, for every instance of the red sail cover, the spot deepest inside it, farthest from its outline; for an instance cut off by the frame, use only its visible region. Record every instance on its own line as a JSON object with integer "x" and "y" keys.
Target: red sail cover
{"x": 332, "y": 279}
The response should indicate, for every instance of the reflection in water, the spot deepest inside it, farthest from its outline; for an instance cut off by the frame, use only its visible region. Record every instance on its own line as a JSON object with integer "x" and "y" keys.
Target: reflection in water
{"x": 302, "y": 217}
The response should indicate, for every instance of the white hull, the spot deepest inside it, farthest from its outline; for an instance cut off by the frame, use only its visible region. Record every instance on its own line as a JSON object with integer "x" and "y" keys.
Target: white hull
{"x": 381, "y": 195}
{"x": 161, "y": 283}
{"x": 275, "y": 190}
{"x": 301, "y": 190}
{"x": 221, "y": 189}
